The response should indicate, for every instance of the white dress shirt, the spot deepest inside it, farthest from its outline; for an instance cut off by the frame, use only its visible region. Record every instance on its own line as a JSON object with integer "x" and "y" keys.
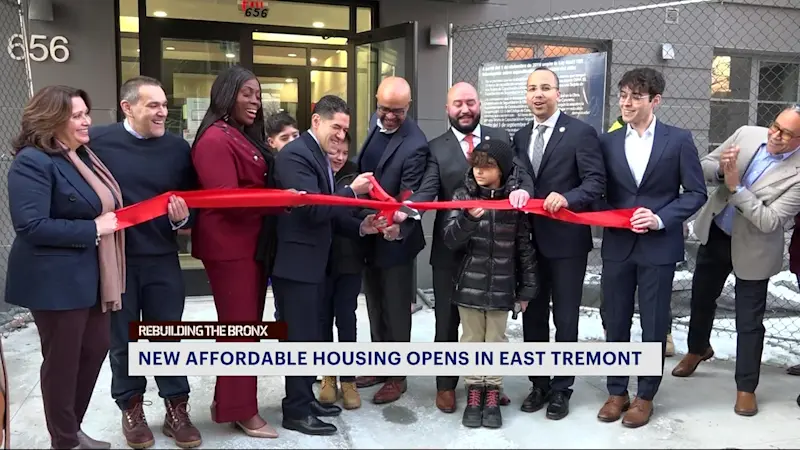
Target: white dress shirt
{"x": 637, "y": 152}
{"x": 462, "y": 139}
{"x": 548, "y": 132}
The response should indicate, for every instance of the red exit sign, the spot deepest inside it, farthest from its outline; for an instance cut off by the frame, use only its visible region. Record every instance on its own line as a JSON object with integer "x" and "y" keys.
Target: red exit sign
{"x": 253, "y": 8}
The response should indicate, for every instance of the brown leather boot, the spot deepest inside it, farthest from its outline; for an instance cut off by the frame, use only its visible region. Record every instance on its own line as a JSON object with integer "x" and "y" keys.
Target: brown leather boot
{"x": 613, "y": 408}
{"x": 134, "y": 424}
{"x": 351, "y": 399}
{"x": 446, "y": 401}
{"x": 638, "y": 414}
{"x": 746, "y": 404}
{"x": 328, "y": 391}
{"x": 178, "y": 425}
{"x": 689, "y": 363}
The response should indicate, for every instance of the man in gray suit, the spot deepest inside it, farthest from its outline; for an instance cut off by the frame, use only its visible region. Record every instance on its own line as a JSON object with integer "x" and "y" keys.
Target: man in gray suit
{"x": 741, "y": 229}
{"x": 445, "y": 172}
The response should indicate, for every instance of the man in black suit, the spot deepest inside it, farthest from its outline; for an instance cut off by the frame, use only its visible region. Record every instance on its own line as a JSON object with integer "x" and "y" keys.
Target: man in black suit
{"x": 302, "y": 259}
{"x": 396, "y": 150}
{"x": 445, "y": 172}
{"x": 653, "y": 167}
{"x": 563, "y": 155}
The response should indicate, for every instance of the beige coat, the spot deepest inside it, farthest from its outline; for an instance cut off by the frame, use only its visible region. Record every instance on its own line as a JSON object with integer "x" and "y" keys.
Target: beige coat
{"x": 757, "y": 240}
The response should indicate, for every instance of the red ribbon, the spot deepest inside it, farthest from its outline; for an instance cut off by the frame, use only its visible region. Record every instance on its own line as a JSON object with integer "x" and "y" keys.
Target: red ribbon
{"x": 383, "y": 203}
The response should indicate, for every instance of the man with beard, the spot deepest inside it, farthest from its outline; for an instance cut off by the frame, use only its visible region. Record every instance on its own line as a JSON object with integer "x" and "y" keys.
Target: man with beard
{"x": 447, "y": 166}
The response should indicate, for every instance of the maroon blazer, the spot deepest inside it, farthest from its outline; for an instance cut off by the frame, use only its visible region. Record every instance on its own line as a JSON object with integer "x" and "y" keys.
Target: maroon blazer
{"x": 224, "y": 158}
{"x": 794, "y": 247}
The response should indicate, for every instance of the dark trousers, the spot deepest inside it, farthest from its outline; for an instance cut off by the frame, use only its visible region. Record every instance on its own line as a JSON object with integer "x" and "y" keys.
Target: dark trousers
{"x": 240, "y": 289}
{"x": 447, "y": 317}
{"x": 603, "y": 311}
{"x": 712, "y": 269}
{"x": 620, "y": 280}
{"x": 339, "y": 305}
{"x": 390, "y": 293}
{"x": 301, "y": 309}
{"x": 154, "y": 292}
{"x": 74, "y": 345}
{"x": 562, "y": 280}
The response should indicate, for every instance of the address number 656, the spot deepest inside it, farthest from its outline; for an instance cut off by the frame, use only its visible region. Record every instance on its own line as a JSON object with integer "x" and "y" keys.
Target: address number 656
{"x": 38, "y": 49}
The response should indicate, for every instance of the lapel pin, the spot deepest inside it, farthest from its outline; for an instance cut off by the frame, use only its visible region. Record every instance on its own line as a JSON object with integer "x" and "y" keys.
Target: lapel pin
{"x": 561, "y": 130}
{"x": 486, "y": 138}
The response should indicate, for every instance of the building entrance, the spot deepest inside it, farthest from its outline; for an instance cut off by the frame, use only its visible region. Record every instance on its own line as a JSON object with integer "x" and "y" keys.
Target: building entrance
{"x": 300, "y": 51}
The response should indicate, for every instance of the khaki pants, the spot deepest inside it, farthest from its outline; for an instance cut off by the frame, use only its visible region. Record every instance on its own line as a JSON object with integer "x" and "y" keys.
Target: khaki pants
{"x": 483, "y": 326}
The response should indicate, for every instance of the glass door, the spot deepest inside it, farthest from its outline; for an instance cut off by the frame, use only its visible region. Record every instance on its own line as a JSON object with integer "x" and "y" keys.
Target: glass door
{"x": 284, "y": 89}
{"x": 375, "y": 55}
{"x": 186, "y": 58}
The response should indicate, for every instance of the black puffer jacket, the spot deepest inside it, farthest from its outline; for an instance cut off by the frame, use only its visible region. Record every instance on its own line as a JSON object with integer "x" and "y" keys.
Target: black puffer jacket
{"x": 499, "y": 267}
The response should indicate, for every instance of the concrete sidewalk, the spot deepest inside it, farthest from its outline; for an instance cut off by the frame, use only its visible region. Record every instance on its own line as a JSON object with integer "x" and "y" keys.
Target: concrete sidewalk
{"x": 690, "y": 413}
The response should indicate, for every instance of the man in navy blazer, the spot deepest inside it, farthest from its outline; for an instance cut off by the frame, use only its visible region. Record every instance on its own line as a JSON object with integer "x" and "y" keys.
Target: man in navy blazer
{"x": 647, "y": 164}
{"x": 303, "y": 248}
{"x": 396, "y": 150}
{"x": 563, "y": 156}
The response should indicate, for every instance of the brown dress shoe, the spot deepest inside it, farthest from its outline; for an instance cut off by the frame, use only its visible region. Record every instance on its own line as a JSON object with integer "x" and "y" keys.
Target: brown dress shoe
{"x": 134, "y": 424}
{"x": 446, "y": 401}
{"x": 638, "y": 414}
{"x": 613, "y": 408}
{"x": 689, "y": 363}
{"x": 178, "y": 425}
{"x": 391, "y": 391}
{"x": 365, "y": 382}
{"x": 746, "y": 404}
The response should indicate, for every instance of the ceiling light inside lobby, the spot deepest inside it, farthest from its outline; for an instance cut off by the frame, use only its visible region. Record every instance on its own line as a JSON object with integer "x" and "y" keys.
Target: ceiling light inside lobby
{"x": 292, "y": 55}
{"x": 230, "y": 55}
{"x": 289, "y": 80}
{"x": 318, "y": 25}
{"x": 160, "y": 14}
{"x": 170, "y": 48}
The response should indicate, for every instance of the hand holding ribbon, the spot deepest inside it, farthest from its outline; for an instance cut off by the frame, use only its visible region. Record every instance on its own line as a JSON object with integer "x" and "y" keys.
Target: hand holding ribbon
{"x": 385, "y": 205}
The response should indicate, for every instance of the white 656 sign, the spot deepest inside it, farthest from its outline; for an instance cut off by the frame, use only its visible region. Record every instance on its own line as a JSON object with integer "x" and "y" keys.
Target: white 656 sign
{"x": 40, "y": 48}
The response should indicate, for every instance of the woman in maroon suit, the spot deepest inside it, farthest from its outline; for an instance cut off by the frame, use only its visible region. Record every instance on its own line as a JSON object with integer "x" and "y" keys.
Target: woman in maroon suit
{"x": 229, "y": 152}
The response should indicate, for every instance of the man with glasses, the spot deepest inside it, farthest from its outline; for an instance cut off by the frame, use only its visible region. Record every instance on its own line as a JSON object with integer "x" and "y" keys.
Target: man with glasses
{"x": 653, "y": 167}
{"x": 741, "y": 229}
{"x": 396, "y": 152}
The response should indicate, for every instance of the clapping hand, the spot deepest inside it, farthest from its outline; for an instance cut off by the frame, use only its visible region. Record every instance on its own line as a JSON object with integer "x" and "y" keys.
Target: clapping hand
{"x": 729, "y": 168}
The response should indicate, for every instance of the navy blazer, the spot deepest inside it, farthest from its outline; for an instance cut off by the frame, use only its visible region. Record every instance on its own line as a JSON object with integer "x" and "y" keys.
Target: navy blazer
{"x": 53, "y": 261}
{"x": 674, "y": 164}
{"x": 400, "y": 169}
{"x": 572, "y": 166}
{"x": 304, "y": 236}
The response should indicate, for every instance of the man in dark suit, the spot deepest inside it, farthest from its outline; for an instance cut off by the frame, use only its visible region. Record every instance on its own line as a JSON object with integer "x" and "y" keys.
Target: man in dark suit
{"x": 562, "y": 154}
{"x": 396, "y": 150}
{"x": 304, "y": 245}
{"x": 445, "y": 172}
{"x": 647, "y": 164}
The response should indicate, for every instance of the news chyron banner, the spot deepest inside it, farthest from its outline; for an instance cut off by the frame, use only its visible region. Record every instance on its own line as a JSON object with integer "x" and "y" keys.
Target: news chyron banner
{"x": 211, "y": 349}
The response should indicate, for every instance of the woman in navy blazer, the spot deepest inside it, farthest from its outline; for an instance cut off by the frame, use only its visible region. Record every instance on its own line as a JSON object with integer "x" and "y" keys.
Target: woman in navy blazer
{"x": 229, "y": 152}
{"x": 61, "y": 199}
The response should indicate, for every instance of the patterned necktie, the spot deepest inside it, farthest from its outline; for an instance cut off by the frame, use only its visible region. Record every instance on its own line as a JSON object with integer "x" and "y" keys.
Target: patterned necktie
{"x": 538, "y": 148}
{"x": 470, "y": 143}
{"x": 330, "y": 174}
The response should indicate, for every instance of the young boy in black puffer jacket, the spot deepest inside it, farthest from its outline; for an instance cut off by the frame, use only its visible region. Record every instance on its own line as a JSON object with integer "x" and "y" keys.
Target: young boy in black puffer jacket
{"x": 498, "y": 270}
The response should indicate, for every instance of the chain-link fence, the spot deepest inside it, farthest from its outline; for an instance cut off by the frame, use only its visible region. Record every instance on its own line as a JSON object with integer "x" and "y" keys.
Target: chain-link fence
{"x": 15, "y": 75}
{"x": 726, "y": 64}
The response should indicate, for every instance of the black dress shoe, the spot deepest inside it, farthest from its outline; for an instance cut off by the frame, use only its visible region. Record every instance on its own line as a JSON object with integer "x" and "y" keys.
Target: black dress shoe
{"x": 534, "y": 401}
{"x": 310, "y": 425}
{"x": 559, "y": 406}
{"x": 320, "y": 410}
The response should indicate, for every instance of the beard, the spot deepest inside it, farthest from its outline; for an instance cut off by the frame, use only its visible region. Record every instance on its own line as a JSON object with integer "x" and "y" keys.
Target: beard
{"x": 466, "y": 129}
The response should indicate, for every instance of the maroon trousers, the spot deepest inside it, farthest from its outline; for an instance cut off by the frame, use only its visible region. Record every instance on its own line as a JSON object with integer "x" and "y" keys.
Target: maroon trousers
{"x": 239, "y": 288}
{"x": 74, "y": 346}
